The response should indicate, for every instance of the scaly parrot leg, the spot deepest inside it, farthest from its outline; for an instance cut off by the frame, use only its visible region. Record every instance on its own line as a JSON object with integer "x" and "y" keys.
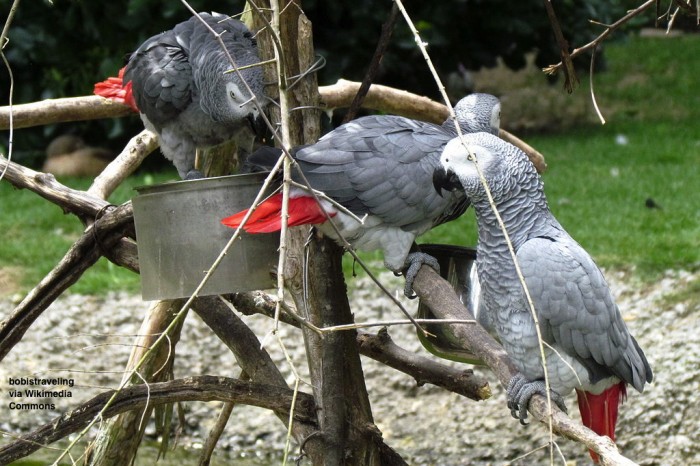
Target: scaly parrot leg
{"x": 414, "y": 261}
{"x": 193, "y": 175}
{"x": 519, "y": 392}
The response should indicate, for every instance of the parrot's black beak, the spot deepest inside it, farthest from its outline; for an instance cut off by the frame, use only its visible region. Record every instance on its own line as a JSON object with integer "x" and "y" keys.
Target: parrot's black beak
{"x": 445, "y": 179}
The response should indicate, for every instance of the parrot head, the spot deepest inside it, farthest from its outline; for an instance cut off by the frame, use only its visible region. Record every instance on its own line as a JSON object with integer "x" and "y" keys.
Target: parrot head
{"x": 240, "y": 101}
{"x": 459, "y": 171}
{"x": 503, "y": 166}
{"x": 479, "y": 112}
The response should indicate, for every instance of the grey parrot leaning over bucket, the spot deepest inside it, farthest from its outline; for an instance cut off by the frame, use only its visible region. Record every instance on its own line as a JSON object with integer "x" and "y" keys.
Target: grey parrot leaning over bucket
{"x": 378, "y": 166}
{"x": 183, "y": 84}
{"x": 587, "y": 344}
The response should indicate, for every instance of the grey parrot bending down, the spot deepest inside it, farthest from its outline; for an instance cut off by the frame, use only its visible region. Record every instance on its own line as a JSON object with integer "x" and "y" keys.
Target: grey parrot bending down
{"x": 182, "y": 83}
{"x": 587, "y": 344}
{"x": 381, "y": 167}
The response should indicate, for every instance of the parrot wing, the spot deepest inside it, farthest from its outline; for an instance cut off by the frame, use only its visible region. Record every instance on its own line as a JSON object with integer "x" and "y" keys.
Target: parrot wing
{"x": 161, "y": 70}
{"x": 383, "y": 166}
{"x": 577, "y": 311}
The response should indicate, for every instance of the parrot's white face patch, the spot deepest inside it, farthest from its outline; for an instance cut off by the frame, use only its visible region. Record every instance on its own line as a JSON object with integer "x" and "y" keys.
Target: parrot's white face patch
{"x": 241, "y": 103}
{"x": 456, "y": 157}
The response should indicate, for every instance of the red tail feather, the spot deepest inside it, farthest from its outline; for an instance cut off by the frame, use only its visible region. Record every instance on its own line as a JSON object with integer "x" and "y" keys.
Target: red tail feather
{"x": 114, "y": 89}
{"x": 599, "y": 412}
{"x": 266, "y": 218}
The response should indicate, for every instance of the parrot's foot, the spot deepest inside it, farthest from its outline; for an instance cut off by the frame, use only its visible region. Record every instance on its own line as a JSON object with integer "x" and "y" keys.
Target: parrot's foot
{"x": 519, "y": 392}
{"x": 193, "y": 175}
{"x": 413, "y": 263}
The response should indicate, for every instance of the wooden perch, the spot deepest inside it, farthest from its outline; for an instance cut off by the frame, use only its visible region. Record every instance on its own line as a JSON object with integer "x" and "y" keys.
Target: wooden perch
{"x": 63, "y": 110}
{"x": 137, "y": 397}
{"x": 339, "y": 95}
{"x": 126, "y": 163}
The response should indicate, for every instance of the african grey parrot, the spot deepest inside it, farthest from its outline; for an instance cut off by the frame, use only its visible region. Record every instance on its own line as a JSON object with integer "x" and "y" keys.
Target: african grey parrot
{"x": 182, "y": 83}
{"x": 587, "y": 344}
{"x": 382, "y": 167}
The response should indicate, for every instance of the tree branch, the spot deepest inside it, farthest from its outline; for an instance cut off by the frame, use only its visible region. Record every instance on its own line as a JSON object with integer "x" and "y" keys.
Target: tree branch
{"x": 338, "y": 95}
{"x": 136, "y": 397}
{"x": 551, "y": 69}
{"x": 381, "y": 348}
{"x": 46, "y": 186}
{"x": 126, "y": 163}
{"x": 51, "y": 111}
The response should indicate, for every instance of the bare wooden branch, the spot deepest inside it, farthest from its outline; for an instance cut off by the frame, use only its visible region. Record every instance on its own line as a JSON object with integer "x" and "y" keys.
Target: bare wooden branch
{"x": 126, "y": 163}
{"x": 463, "y": 382}
{"x": 384, "y": 98}
{"x": 439, "y": 296}
{"x": 338, "y": 95}
{"x": 136, "y": 397}
{"x": 46, "y": 186}
{"x": 51, "y": 111}
{"x": 381, "y": 348}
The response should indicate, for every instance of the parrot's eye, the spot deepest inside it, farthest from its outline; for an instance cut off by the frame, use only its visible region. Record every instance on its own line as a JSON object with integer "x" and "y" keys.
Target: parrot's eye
{"x": 233, "y": 95}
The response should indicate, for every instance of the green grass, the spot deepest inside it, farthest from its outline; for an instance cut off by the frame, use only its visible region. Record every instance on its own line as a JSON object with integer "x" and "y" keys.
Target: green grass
{"x": 37, "y": 234}
{"x": 596, "y": 187}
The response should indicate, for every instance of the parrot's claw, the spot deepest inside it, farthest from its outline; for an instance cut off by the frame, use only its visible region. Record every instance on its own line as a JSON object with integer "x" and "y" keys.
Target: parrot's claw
{"x": 193, "y": 175}
{"x": 414, "y": 262}
{"x": 520, "y": 391}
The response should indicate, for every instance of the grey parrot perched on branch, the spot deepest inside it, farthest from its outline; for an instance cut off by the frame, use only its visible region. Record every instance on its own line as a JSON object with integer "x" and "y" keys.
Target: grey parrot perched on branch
{"x": 183, "y": 84}
{"x": 381, "y": 167}
{"x": 587, "y": 344}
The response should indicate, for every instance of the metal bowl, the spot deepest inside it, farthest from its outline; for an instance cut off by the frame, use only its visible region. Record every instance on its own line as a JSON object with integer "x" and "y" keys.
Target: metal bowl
{"x": 179, "y": 235}
{"x": 457, "y": 266}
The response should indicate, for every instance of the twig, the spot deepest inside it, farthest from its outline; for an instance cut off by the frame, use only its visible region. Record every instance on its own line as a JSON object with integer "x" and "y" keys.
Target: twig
{"x": 67, "y": 109}
{"x": 571, "y": 80}
{"x": 338, "y": 95}
{"x": 390, "y": 323}
{"x": 590, "y": 77}
{"x": 554, "y": 68}
{"x": 3, "y": 41}
{"x": 382, "y": 44}
{"x": 487, "y": 189}
{"x": 381, "y": 348}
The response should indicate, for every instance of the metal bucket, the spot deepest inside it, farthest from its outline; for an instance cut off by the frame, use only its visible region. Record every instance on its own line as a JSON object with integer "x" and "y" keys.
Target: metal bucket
{"x": 457, "y": 266}
{"x": 179, "y": 235}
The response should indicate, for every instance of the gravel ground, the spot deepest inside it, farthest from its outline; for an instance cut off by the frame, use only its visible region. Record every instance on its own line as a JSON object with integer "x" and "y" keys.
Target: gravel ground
{"x": 88, "y": 339}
